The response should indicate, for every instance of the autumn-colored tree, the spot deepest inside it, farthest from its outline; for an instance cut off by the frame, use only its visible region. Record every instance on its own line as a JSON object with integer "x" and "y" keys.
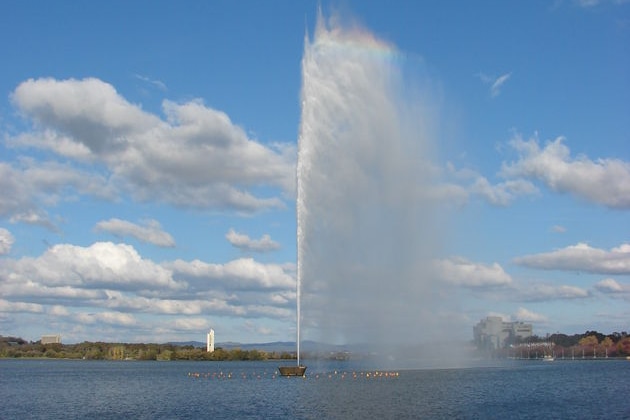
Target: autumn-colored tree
{"x": 589, "y": 340}
{"x": 623, "y": 346}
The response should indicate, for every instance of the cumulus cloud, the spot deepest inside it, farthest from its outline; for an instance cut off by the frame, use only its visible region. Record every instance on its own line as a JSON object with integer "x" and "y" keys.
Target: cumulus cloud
{"x": 468, "y": 182}
{"x": 195, "y": 157}
{"x": 462, "y": 272}
{"x": 103, "y": 264}
{"x": 118, "y": 286}
{"x": 603, "y": 181}
{"x": 581, "y": 257}
{"x": 526, "y": 315}
{"x": 6, "y": 241}
{"x": 150, "y": 232}
{"x": 503, "y": 193}
{"x": 245, "y": 243}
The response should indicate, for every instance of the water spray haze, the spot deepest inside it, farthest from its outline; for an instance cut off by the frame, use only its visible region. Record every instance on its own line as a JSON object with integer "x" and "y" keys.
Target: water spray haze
{"x": 366, "y": 227}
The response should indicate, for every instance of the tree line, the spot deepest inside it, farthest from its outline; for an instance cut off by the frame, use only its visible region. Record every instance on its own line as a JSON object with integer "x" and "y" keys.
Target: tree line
{"x": 593, "y": 343}
{"x": 15, "y": 347}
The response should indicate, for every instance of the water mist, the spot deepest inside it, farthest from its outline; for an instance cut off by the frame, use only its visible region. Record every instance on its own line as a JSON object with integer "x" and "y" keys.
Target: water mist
{"x": 366, "y": 221}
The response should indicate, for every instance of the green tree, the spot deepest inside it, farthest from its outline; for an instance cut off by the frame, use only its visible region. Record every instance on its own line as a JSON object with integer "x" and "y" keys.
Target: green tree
{"x": 116, "y": 352}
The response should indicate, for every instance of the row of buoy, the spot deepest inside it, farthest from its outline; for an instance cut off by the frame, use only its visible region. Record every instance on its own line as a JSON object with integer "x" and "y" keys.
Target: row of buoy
{"x": 325, "y": 375}
{"x": 228, "y": 375}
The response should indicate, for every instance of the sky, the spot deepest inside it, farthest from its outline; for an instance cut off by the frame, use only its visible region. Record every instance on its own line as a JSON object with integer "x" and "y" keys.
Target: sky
{"x": 148, "y": 156}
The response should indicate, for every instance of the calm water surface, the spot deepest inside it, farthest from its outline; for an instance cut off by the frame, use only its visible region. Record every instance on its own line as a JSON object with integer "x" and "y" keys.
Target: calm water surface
{"x": 56, "y": 389}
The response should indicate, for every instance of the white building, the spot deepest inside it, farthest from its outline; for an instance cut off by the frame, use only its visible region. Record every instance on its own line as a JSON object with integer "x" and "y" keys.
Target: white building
{"x": 51, "y": 339}
{"x": 493, "y": 332}
{"x": 210, "y": 341}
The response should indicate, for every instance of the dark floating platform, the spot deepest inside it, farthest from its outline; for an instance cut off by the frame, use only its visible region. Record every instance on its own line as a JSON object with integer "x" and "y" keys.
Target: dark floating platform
{"x": 292, "y": 370}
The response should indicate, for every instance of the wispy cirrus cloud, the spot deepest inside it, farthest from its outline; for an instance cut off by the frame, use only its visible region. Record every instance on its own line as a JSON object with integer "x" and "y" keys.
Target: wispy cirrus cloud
{"x": 153, "y": 82}
{"x": 593, "y": 3}
{"x": 496, "y": 83}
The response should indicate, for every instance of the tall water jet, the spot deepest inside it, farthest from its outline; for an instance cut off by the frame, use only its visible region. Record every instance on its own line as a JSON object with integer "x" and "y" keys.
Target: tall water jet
{"x": 366, "y": 228}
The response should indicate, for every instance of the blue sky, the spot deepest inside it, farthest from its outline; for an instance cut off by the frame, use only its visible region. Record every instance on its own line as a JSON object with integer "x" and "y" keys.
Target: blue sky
{"x": 148, "y": 154}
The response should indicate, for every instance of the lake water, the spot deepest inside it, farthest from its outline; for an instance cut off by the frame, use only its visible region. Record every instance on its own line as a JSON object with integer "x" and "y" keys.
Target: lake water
{"x": 56, "y": 389}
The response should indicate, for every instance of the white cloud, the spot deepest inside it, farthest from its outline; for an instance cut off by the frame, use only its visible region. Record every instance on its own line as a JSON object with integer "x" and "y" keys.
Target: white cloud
{"x": 6, "y": 241}
{"x": 613, "y": 287}
{"x": 103, "y": 264}
{"x": 195, "y": 158}
{"x": 604, "y": 181}
{"x": 109, "y": 318}
{"x": 593, "y": 3}
{"x": 526, "y": 315}
{"x": 116, "y": 277}
{"x": 245, "y": 243}
{"x": 58, "y": 310}
{"x": 157, "y": 83}
{"x": 10, "y": 306}
{"x": 581, "y": 257}
{"x": 18, "y": 287}
{"x": 191, "y": 324}
{"x": 558, "y": 229}
{"x": 470, "y": 182}
{"x": 243, "y": 273}
{"x": 29, "y": 186}
{"x": 151, "y": 232}
{"x": 502, "y": 194}
{"x": 495, "y": 89}
{"x": 462, "y": 272}
{"x": 545, "y": 292}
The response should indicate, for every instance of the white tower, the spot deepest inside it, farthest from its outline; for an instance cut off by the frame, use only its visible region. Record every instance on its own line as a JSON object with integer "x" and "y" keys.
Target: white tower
{"x": 210, "y": 341}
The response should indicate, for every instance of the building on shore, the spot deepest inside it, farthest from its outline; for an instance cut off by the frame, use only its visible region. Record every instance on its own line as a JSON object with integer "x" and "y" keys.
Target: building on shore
{"x": 210, "y": 341}
{"x": 51, "y": 339}
{"x": 494, "y": 333}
